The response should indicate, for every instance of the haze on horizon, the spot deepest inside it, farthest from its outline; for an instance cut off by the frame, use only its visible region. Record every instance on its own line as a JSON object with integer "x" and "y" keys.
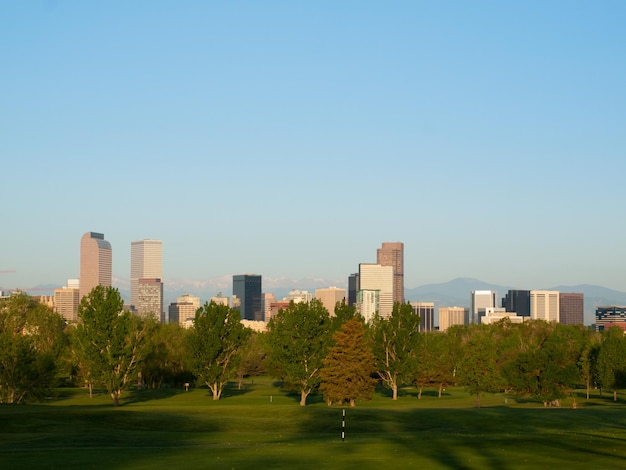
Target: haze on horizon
{"x": 291, "y": 140}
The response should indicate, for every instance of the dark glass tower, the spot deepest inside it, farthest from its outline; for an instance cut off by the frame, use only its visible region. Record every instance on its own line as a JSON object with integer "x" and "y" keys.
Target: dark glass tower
{"x": 353, "y": 288}
{"x": 517, "y": 301}
{"x": 247, "y": 289}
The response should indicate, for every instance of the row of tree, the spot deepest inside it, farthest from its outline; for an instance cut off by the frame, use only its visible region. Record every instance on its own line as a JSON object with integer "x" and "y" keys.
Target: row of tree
{"x": 309, "y": 350}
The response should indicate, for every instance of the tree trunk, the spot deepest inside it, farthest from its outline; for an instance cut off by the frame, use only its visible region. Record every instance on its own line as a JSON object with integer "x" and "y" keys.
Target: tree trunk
{"x": 352, "y": 404}
{"x": 394, "y": 389}
{"x": 615, "y": 395}
{"x": 478, "y": 400}
{"x": 90, "y": 385}
{"x": 419, "y": 393}
{"x": 217, "y": 392}
{"x": 588, "y": 387}
{"x": 440, "y": 390}
{"x": 303, "y": 396}
{"x": 115, "y": 395}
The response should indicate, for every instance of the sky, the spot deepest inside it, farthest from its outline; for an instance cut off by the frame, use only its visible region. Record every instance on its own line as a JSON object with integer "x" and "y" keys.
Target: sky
{"x": 290, "y": 139}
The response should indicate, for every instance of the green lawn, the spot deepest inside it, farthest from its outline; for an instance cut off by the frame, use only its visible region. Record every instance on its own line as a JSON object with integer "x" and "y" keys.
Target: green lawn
{"x": 264, "y": 427}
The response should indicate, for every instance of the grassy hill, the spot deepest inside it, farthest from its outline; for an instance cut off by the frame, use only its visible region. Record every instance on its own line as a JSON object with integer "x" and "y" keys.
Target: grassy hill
{"x": 264, "y": 427}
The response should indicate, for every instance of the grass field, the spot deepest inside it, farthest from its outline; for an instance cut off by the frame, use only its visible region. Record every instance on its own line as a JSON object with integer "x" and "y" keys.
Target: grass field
{"x": 264, "y": 427}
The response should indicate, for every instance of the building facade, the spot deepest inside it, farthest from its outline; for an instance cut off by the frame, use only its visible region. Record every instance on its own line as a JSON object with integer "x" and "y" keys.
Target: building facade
{"x": 146, "y": 262}
{"x": 480, "y": 301}
{"x": 426, "y": 311}
{"x": 353, "y": 288}
{"x": 330, "y": 297}
{"x": 183, "y": 311}
{"x": 375, "y": 290}
{"x": 247, "y": 289}
{"x": 450, "y": 316}
{"x": 517, "y": 301}
{"x": 96, "y": 259}
{"x": 572, "y": 308}
{"x": 544, "y": 305}
{"x": 611, "y": 315}
{"x": 392, "y": 254}
{"x": 150, "y": 298}
{"x": 66, "y": 302}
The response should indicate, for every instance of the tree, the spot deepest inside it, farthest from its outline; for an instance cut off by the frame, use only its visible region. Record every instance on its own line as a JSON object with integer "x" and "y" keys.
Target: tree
{"x": 298, "y": 338}
{"x": 348, "y": 366}
{"x": 252, "y": 357}
{"x": 166, "y": 360}
{"x": 478, "y": 370}
{"x": 435, "y": 365}
{"x": 612, "y": 361}
{"x": 343, "y": 313}
{"x": 395, "y": 346}
{"x": 110, "y": 342}
{"x": 31, "y": 340}
{"x": 214, "y": 343}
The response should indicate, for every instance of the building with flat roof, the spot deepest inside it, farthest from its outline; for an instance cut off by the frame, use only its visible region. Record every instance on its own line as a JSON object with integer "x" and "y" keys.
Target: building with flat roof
{"x": 247, "y": 289}
{"x": 150, "y": 298}
{"x": 544, "y": 305}
{"x": 183, "y": 311}
{"x": 450, "y": 316}
{"x": 480, "y": 301}
{"x": 146, "y": 262}
{"x": 375, "y": 291}
{"x": 66, "y": 302}
{"x": 392, "y": 254}
{"x": 96, "y": 259}
{"x": 572, "y": 308}
{"x": 426, "y": 312}
{"x": 610, "y": 315}
{"x": 329, "y": 297}
{"x": 517, "y": 301}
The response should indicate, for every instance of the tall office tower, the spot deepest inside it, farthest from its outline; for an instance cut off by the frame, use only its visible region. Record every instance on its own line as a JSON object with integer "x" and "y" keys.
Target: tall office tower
{"x": 611, "y": 315}
{"x": 375, "y": 290}
{"x": 480, "y": 301}
{"x": 150, "y": 298}
{"x": 183, "y": 311}
{"x": 517, "y": 301}
{"x": 267, "y": 300}
{"x": 544, "y": 305}
{"x": 247, "y": 288}
{"x": 571, "y": 308}
{"x": 392, "y": 254}
{"x": 329, "y": 298}
{"x": 146, "y": 262}
{"x": 426, "y": 311}
{"x": 450, "y": 316}
{"x": 66, "y": 302}
{"x": 96, "y": 261}
{"x": 353, "y": 288}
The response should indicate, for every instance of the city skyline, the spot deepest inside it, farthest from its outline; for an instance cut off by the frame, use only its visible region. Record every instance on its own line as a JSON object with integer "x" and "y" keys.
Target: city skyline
{"x": 488, "y": 138}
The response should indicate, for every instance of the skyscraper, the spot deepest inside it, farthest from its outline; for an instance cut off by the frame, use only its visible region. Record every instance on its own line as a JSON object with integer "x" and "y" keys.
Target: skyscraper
{"x": 145, "y": 263}
{"x": 450, "y": 316}
{"x": 571, "y": 308}
{"x": 544, "y": 305}
{"x": 375, "y": 290}
{"x": 426, "y": 312}
{"x": 96, "y": 260}
{"x": 392, "y": 254}
{"x": 329, "y": 298}
{"x": 353, "y": 288}
{"x": 150, "y": 298}
{"x": 481, "y": 300}
{"x": 247, "y": 289}
{"x": 517, "y": 301}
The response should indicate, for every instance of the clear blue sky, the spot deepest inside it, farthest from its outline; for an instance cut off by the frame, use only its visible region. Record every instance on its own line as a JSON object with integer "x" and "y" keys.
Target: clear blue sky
{"x": 292, "y": 138}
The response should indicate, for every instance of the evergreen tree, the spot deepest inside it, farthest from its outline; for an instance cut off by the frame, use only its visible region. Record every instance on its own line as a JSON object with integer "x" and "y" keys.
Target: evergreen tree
{"x": 348, "y": 366}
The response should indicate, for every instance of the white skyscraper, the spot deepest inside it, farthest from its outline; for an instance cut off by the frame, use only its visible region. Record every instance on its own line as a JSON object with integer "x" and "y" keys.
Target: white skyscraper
{"x": 544, "y": 305}
{"x": 146, "y": 262}
{"x": 375, "y": 290}
{"x": 481, "y": 300}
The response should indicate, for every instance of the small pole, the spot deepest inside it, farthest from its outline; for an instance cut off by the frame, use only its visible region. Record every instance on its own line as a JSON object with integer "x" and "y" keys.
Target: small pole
{"x": 343, "y": 426}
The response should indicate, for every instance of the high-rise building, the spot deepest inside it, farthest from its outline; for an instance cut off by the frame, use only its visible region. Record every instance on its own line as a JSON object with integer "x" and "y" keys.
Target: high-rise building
{"x": 572, "y": 308}
{"x": 544, "y": 305}
{"x": 480, "y": 301}
{"x": 146, "y": 262}
{"x": 266, "y": 305}
{"x": 96, "y": 261}
{"x": 517, "y": 301}
{"x": 329, "y": 298}
{"x": 392, "y": 254}
{"x": 450, "y": 316}
{"x": 150, "y": 298}
{"x": 611, "y": 315}
{"x": 426, "y": 311}
{"x": 66, "y": 302}
{"x": 375, "y": 291}
{"x": 247, "y": 289}
{"x": 353, "y": 288}
{"x": 183, "y": 311}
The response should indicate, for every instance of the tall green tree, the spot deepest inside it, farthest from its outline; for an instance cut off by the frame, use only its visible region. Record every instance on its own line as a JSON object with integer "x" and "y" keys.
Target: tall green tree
{"x": 435, "y": 366}
{"x": 478, "y": 370}
{"x": 166, "y": 360}
{"x": 31, "y": 341}
{"x": 348, "y": 366}
{"x": 109, "y": 341}
{"x": 611, "y": 363}
{"x": 299, "y": 338}
{"x": 395, "y": 346}
{"x": 214, "y": 344}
